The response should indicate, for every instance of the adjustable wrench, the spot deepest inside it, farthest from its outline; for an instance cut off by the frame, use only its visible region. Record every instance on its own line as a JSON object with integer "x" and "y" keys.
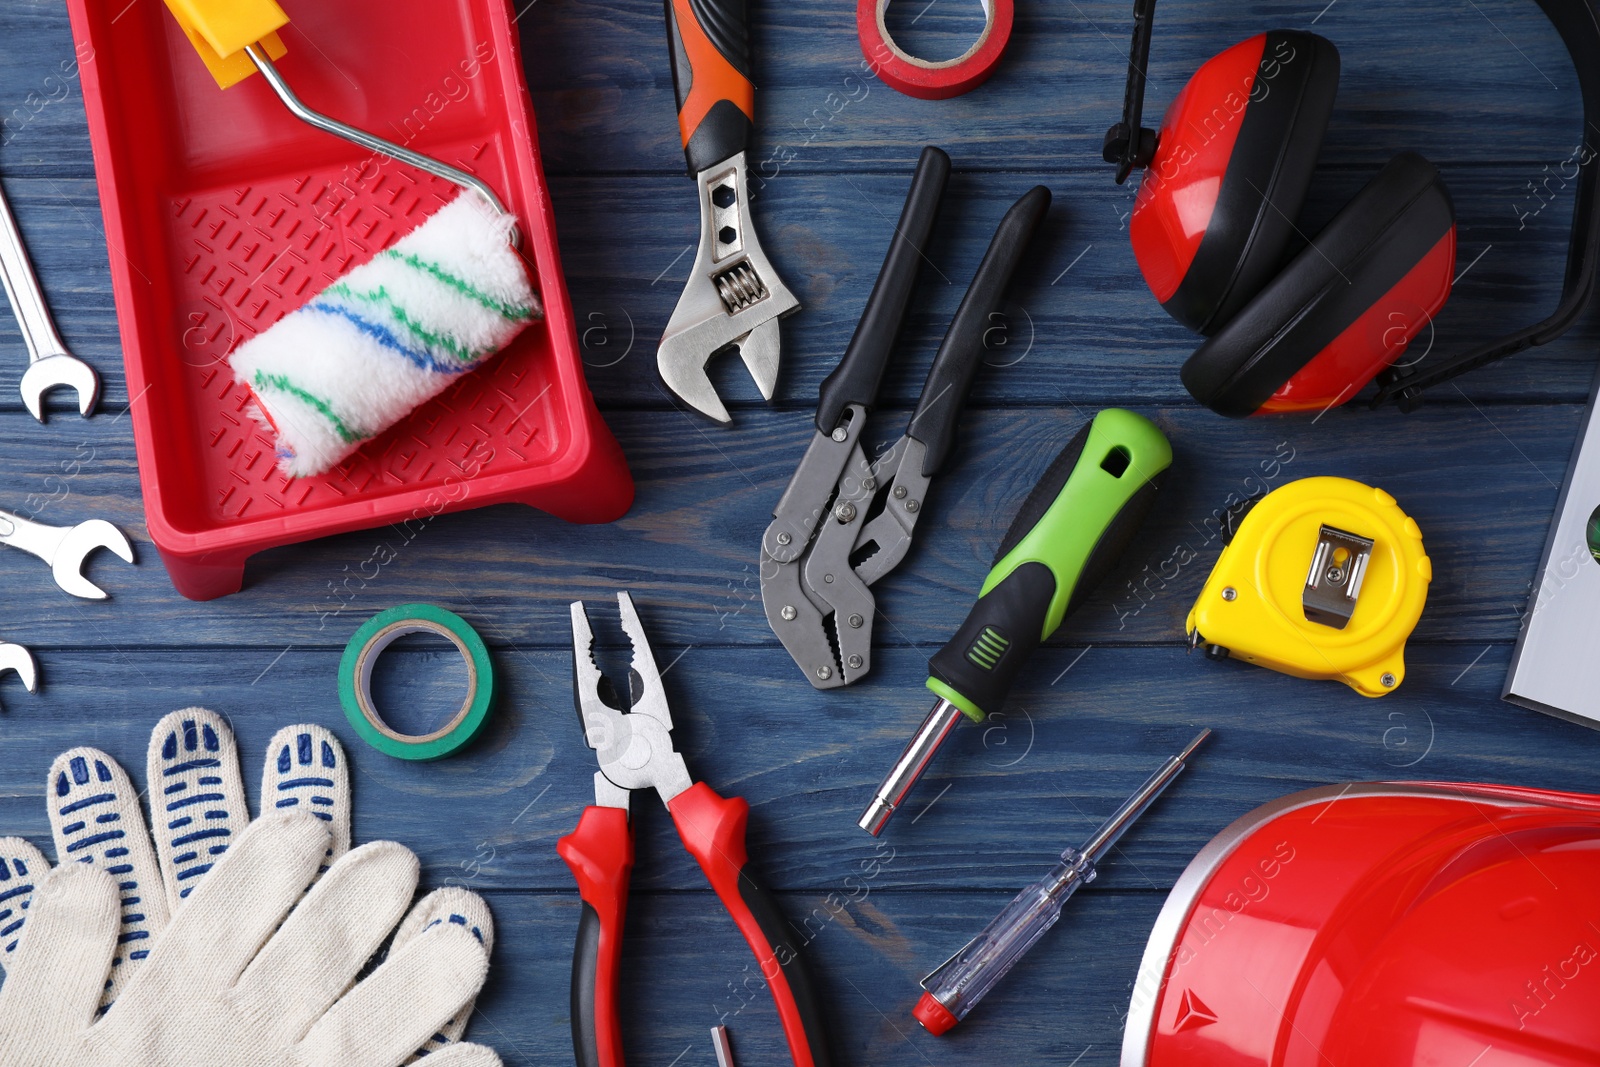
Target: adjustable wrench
{"x": 65, "y": 548}
{"x": 734, "y": 297}
{"x": 50, "y": 364}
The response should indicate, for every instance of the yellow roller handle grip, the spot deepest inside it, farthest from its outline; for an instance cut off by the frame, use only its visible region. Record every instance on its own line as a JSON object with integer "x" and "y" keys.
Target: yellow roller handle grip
{"x": 219, "y": 30}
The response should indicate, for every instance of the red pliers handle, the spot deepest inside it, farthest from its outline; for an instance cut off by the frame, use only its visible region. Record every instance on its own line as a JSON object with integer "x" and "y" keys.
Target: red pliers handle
{"x": 600, "y": 853}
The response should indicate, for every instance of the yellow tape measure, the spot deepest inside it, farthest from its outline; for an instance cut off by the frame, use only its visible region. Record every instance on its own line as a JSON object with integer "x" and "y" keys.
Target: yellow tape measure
{"x": 1324, "y": 578}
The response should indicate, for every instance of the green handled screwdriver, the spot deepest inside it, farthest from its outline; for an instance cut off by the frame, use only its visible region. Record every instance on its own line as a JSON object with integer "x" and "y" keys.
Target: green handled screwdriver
{"x": 1068, "y": 535}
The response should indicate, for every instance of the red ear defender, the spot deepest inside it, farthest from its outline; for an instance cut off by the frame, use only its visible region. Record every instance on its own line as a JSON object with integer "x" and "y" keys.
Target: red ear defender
{"x": 1214, "y": 223}
{"x": 1344, "y": 308}
{"x": 1215, "y": 211}
{"x": 1380, "y": 337}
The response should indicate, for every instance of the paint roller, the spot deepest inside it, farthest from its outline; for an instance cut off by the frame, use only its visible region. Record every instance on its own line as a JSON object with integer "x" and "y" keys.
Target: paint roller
{"x": 395, "y": 331}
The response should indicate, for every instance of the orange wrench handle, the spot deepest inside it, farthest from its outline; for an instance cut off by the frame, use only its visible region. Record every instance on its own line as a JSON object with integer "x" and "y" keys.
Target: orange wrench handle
{"x": 712, "y": 829}
{"x": 710, "y": 47}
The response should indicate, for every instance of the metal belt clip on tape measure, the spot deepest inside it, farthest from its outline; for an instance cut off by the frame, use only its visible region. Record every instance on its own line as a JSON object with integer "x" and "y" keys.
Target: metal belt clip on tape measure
{"x": 1322, "y": 578}
{"x": 355, "y": 681}
{"x": 929, "y": 79}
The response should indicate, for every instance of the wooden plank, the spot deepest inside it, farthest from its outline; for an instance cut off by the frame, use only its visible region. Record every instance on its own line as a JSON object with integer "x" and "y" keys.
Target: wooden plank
{"x": 689, "y": 547}
{"x": 600, "y": 81}
{"x": 685, "y": 970}
{"x": 1083, "y": 728}
{"x": 603, "y": 92}
{"x": 1079, "y": 322}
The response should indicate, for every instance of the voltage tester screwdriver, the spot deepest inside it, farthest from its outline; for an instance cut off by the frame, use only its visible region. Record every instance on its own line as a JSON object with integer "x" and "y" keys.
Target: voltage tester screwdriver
{"x": 1067, "y": 536}
{"x": 962, "y": 980}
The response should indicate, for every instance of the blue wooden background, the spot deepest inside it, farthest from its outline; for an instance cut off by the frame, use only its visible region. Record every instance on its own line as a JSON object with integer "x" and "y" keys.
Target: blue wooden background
{"x": 1482, "y": 87}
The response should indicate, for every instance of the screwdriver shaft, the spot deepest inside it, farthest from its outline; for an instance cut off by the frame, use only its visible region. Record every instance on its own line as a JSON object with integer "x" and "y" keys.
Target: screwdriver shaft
{"x": 909, "y": 767}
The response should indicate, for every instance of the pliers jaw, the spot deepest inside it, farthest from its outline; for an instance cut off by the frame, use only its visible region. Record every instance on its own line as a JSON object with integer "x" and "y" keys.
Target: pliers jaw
{"x": 632, "y": 743}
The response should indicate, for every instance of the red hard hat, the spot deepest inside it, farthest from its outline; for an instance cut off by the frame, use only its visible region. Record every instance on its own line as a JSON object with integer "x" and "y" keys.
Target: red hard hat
{"x": 1416, "y": 924}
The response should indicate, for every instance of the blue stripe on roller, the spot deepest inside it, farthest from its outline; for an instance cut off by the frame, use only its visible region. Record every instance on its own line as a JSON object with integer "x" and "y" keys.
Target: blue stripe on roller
{"x": 95, "y": 839}
{"x": 297, "y": 783}
{"x": 87, "y": 802}
{"x": 198, "y": 798}
{"x": 387, "y": 339}
{"x": 179, "y": 768}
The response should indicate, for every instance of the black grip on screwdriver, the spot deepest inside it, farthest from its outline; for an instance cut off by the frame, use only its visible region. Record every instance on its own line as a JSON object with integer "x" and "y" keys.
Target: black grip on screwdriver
{"x": 938, "y": 411}
{"x": 709, "y": 43}
{"x": 855, "y": 380}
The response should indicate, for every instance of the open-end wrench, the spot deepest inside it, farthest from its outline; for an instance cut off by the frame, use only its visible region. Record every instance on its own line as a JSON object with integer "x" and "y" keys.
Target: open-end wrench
{"x": 16, "y": 658}
{"x": 65, "y": 548}
{"x": 50, "y": 364}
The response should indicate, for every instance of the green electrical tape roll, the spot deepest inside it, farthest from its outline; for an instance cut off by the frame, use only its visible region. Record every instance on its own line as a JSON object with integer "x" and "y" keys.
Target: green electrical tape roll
{"x": 355, "y": 681}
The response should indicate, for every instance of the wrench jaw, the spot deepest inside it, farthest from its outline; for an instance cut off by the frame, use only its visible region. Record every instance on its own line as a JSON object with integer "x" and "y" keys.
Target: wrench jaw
{"x": 68, "y": 560}
{"x": 16, "y": 658}
{"x": 733, "y": 298}
{"x": 61, "y": 369}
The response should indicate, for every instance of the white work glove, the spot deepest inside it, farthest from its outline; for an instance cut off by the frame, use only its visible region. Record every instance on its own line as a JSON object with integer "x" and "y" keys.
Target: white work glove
{"x": 198, "y": 809}
{"x": 237, "y": 978}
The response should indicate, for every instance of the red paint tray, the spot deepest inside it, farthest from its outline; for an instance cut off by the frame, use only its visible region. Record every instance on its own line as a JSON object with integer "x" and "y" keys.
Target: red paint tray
{"x": 224, "y": 213}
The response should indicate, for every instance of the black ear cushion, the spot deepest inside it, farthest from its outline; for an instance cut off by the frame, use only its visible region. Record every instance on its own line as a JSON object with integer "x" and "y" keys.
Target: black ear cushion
{"x": 1370, "y": 245}
{"x": 1265, "y": 182}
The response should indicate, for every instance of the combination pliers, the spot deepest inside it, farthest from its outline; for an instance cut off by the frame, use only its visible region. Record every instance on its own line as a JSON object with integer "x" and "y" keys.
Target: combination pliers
{"x": 632, "y": 740}
{"x": 844, "y": 522}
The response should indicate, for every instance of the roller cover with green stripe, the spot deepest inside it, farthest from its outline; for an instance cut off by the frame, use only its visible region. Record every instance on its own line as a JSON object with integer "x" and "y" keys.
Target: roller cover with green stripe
{"x": 387, "y": 337}
{"x": 1068, "y": 535}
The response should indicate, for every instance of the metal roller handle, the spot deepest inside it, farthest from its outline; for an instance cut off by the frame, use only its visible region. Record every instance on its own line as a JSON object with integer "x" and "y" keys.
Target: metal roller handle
{"x": 366, "y": 140}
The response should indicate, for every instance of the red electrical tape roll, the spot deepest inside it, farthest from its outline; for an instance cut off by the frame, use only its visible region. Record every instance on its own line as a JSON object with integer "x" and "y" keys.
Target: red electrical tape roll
{"x": 925, "y": 79}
